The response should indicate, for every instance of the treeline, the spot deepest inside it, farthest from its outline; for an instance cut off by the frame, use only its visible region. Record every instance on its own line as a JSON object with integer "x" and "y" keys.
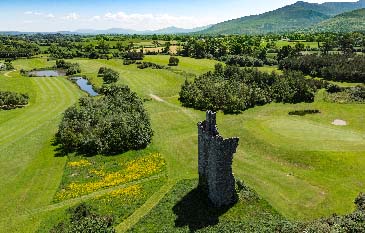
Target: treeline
{"x": 233, "y": 90}
{"x": 11, "y": 100}
{"x": 343, "y": 68}
{"x": 114, "y": 123}
{"x": 12, "y": 48}
{"x": 192, "y": 45}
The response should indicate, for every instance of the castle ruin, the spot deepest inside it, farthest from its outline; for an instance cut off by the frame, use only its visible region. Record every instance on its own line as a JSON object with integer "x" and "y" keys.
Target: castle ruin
{"x": 215, "y": 162}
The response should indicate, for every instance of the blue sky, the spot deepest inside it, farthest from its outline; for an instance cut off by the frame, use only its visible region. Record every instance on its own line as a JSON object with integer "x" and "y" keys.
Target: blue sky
{"x": 52, "y": 15}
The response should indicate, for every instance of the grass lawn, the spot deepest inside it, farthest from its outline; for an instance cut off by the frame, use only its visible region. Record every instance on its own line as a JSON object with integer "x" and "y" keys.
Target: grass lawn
{"x": 302, "y": 166}
{"x": 187, "y": 64}
{"x": 29, "y": 171}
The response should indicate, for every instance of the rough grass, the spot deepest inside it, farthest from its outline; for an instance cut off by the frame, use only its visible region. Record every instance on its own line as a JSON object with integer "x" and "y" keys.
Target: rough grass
{"x": 118, "y": 204}
{"x": 186, "y": 209}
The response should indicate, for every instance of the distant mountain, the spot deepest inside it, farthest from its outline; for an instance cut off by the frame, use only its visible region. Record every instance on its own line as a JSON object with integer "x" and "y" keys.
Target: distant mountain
{"x": 346, "y": 22}
{"x": 175, "y": 30}
{"x": 336, "y": 8}
{"x": 168, "y": 30}
{"x": 108, "y": 31}
{"x": 289, "y": 18}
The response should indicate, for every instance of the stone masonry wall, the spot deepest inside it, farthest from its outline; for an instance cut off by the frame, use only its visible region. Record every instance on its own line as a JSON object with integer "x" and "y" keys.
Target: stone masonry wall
{"x": 215, "y": 162}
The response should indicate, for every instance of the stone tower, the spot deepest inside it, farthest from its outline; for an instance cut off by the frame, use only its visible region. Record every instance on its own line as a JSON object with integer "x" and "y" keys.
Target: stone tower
{"x": 215, "y": 162}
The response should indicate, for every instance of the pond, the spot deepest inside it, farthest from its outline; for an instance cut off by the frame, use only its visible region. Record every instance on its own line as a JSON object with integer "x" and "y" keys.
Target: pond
{"x": 46, "y": 73}
{"x": 85, "y": 85}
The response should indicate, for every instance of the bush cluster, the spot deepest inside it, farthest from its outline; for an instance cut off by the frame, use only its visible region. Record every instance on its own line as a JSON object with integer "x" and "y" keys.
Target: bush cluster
{"x": 146, "y": 65}
{"x": 114, "y": 123}
{"x": 6, "y": 66}
{"x": 242, "y": 61}
{"x": 83, "y": 220}
{"x": 109, "y": 75}
{"x": 347, "y": 95}
{"x": 133, "y": 55}
{"x": 71, "y": 68}
{"x": 128, "y": 62}
{"x": 174, "y": 61}
{"x": 341, "y": 68}
{"x": 233, "y": 90}
{"x": 11, "y": 100}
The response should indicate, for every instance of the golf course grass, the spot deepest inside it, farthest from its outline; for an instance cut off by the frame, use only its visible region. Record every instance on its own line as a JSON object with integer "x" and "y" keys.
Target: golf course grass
{"x": 303, "y": 166}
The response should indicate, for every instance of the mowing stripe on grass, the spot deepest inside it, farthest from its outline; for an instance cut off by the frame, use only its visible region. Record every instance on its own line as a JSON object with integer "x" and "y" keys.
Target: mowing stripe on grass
{"x": 146, "y": 207}
{"x": 30, "y": 172}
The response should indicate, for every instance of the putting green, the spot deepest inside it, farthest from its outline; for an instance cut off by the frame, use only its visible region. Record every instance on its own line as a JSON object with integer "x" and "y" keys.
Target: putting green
{"x": 294, "y": 133}
{"x": 305, "y": 130}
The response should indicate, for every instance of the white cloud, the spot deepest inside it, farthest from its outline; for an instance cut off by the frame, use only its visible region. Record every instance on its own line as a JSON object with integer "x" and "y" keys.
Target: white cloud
{"x": 40, "y": 14}
{"x": 72, "y": 16}
{"x": 95, "y": 18}
{"x": 33, "y": 13}
{"x": 50, "y": 16}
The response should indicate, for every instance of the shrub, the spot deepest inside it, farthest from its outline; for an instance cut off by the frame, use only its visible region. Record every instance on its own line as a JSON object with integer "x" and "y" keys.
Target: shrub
{"x": 174, "y": 61}
{"x": 11, "y": 100}
{"x": 114, "y": 123}
{"x": 71, "y": 68}
{"x": 146, "y": 65}
{"x": 133, "y": 55}
{"x": 83, "y": 220}
{"x": 347, "y": 95}
{"x": 109, "y": 75}
{"x": 242, "y": 61}
{"x": 128, "y": 62}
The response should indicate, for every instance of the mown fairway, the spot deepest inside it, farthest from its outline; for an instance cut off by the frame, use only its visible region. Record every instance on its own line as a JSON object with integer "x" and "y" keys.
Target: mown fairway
{"x": 30, "y": 172}
{"x": 303, "y": 166}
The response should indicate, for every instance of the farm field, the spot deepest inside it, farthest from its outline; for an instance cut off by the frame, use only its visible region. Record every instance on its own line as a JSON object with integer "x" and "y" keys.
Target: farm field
{"x": 278, "y": 154}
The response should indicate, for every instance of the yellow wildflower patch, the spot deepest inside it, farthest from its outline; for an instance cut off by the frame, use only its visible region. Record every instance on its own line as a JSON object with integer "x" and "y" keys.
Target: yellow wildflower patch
{"x": 130, "y": 191}
{"x": 123, "y": 195}
{"x": 131, "y": 171}
{"x": 80, "y": 163}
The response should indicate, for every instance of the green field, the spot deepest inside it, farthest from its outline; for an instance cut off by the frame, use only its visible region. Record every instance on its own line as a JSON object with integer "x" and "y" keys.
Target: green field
{"x": 302, "y": 166}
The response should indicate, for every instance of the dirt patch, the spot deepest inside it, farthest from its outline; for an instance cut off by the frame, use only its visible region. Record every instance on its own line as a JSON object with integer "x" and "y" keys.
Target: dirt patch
{"x": 339, "y": 122}
{"x": 155, "y": 97}
{"x": 7, "y": 73}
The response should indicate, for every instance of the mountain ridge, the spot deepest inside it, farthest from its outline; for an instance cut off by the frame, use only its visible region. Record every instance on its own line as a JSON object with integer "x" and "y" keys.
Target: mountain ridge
{"x": 292, "y": 17}
{"x": 353, "y": 21}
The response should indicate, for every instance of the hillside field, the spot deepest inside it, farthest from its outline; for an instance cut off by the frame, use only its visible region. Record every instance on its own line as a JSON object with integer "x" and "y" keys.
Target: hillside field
{"x": 303, "y": 166}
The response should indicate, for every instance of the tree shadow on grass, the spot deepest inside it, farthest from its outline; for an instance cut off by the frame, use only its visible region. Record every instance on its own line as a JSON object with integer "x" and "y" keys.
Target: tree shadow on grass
{"x": 61, "y": 151}
{"x": 196, "y": 211}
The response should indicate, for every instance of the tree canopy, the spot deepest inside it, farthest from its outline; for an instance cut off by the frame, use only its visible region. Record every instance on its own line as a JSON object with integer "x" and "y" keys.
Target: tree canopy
{"x": 114, "y": 123}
